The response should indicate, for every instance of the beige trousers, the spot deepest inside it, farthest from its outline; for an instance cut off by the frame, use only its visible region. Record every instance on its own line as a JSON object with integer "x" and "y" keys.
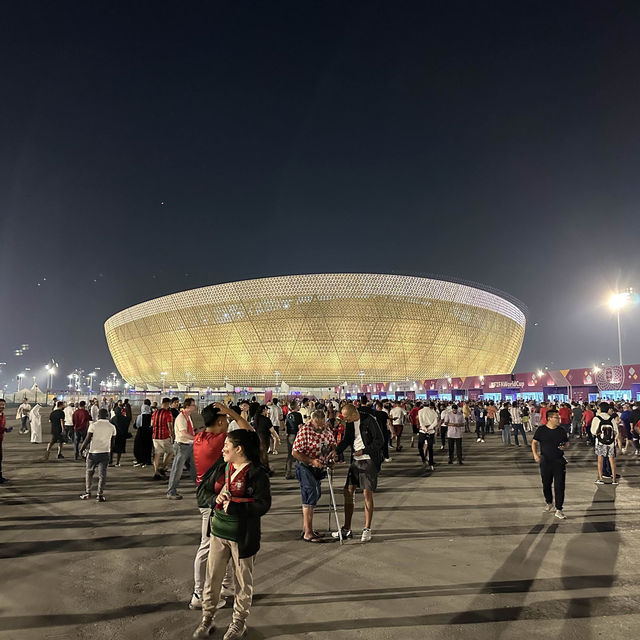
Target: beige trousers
{"x": 219, "y": 553}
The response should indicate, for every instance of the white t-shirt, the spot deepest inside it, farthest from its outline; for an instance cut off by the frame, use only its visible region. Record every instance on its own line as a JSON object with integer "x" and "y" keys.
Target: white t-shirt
{"x": 428, "y": 419}
{"x": 397, "y": 415}
{"x": 233, "y": 425}
{"x": 94, "y": 412}
{"x": 181, "y": 427}
{"x": 358, "y": 442}
{"x": 68, "y": 416}
{"x": 275, "y": 414}
{"x": 102, "y": 431}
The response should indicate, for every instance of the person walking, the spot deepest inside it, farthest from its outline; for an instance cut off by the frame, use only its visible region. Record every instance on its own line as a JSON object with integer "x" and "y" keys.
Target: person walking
{"x": 243, "y": 496}
{"x": 23, "y": 415}
{"x": 56, "y": 418}
{"x": 143, "y": 441}
{"x": 98, "y": 439}
{"x": 479, "y": 414}
{"x": 492, "y": 411}
{"x": 81, "y": 419}
{"x": 162, "y": 426}
{"x": 548, "y": 446}
{"x": 397, "y": 415}
{"x": 607, "y": 434}
{"x": 3, "y": 429}
{"x": 428, "y": 425}
{"x": 362, "y": 433}
{"x": 292, "y": 424}
{"x": 455, "y": 430}
{"x": 36, "y": 424}
{"x": 516, "y": 423}
{"x": 504, "y": 424}
{"x": 69, "y": 410}
{"x": 276, "y": 417}
{"x": 182, "y": 448}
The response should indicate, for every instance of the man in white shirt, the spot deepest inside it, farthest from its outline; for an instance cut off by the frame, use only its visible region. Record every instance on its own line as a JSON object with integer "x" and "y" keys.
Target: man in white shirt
{"x": 182, "y": 448}
{"x": 455, "y": 429}
{"x": 68, "y": 421}
{"x": 23, "y": 416}
{"x": 605, "y": 429}
{"x": 99, "y": 438}
{"x": 397, "y": 423}
{"x": 428, "y": 421}
{"x": 94, "y": 410}
{"x": 516, "y": 423}
{"x": 276, "y": 416}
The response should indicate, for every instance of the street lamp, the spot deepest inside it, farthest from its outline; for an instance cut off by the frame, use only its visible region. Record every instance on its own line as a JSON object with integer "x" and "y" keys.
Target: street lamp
{"x": 163, "y": 375}
{"x": 617, "y": 302}
{"x": 20, "y": 376}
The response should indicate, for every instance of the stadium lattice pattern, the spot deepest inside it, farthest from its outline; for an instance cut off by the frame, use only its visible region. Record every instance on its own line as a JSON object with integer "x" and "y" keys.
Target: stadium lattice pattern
{"x": 316, "y": 331}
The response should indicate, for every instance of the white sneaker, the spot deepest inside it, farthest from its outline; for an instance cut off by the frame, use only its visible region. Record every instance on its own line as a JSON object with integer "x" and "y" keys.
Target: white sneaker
{"x": 388, "y": 459}
{"x": 482, "y": 440}
{"x": 560, "y": 515}
{"x": 479, "y": 440}
{"x": 548, "y": 508}
{"x": 366, "y": 535}
{"x": 346, "y": 533}
{"x": 196, "y": 601}
{"x": 624, "y": 451}
{"x": 235, "y": 631}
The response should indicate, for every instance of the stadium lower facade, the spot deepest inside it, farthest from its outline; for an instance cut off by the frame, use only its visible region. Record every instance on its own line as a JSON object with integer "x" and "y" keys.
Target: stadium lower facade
{"x": 316, "y": 330}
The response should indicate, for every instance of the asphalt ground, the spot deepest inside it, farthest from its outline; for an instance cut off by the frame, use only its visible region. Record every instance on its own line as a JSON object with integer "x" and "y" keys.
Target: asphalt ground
{"x": 464, "y": 552}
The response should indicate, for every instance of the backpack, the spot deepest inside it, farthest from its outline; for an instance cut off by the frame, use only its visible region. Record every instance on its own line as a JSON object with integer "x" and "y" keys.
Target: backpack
{"x": 290, "y": 422}
{"x": 604, "y": 433}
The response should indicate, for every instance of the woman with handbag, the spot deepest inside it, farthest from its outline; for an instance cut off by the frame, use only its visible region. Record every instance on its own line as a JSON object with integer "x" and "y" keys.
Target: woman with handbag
{"x": 243, "y": 496}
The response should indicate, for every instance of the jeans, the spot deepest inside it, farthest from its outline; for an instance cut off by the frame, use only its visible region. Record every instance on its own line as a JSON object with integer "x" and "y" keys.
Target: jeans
{"x": 310, "y": 485}
{"x": 506, "y": 434}
{"x": 428, "y": 439}
{"x": 288, "y": 467}
{"x": 480, "y": 430}
{"x": 181, "y": 453}
{"x": 101, "y": 461}
{"x": 24, "y": 427}
{"x": 78, "y": 439}
{"x": 490, "y": 423}
{"x": 457, "y": 443}
{"x": 553, "y": 472}
{"x": 519, "y": 429}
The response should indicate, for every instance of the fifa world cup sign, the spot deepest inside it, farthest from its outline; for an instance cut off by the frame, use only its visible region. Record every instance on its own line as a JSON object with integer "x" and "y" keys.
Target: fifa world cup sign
{"x": 610, "y": 378}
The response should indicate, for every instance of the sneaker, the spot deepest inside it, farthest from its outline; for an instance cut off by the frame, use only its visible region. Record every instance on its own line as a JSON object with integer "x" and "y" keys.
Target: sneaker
{"x": 615, "y": 482}
{"x": 478, "y": 440}
{"x": 432, "y": 467}
{"x": 482, "y": 440}
{"x": 442, "y": 448}
{"x": 157, "y": 476}
{"x": 450, "y": 461}
{"x": 624, "y": 451}
{"x": 607, "y": 477}
{"x": 101, "y": 499}
{"x": 237, "y": 629}
{"x": 346, "y": 533}
{"x": 366, "y": 535}
{"x": 388, "y": 459}
{"x": 85, "y": 496}
{"x": 548, "y": 508}
{"x": 226, "y": 592}
{"x": 3, "y": 480}
{"x": 560, "y": 515}
{"x": 205, "y": 628}
{"x": 60, "y": 456}
{"x": 274, "y": 452}
{"x": 174, "y": 496}
{"x": 196, "y": 601}
{"x": 598, "y": 481}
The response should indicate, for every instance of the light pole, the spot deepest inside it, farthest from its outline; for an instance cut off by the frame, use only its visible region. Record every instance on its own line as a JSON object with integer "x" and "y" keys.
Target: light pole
{"x": 163, "y": 375}
{"x": 617, "y": 302}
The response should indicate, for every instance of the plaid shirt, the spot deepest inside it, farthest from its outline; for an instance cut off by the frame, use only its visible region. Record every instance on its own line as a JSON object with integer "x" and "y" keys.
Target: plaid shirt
{"x": 310, "y": 442}
{"x": 161, "y": 421}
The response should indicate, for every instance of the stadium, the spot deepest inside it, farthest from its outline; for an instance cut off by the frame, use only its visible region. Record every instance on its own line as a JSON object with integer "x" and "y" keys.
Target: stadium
{"x": 317, "y": 330}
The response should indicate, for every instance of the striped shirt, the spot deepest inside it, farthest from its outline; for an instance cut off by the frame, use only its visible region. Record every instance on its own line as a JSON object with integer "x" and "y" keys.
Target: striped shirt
{"x": 161, "y": 422}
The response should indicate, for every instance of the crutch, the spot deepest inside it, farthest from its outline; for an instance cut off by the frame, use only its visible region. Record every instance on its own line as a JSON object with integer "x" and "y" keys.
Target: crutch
{"x": 333, "y": 504}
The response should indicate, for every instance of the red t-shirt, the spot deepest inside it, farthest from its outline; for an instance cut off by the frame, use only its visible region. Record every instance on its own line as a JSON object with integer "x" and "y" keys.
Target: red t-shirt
{"x": 413, "y": 416}
{"x": 3, "y": 426}
{"x": 565, "y": 415}
{"x": 543, "y": 415}
{"x": 81, "y": 419}
{"x": 588, "y": 417}
{"x": 207, "y": 448}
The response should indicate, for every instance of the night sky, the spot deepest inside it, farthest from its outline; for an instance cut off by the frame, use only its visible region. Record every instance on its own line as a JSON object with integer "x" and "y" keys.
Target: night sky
{"x": 151, "y": 147}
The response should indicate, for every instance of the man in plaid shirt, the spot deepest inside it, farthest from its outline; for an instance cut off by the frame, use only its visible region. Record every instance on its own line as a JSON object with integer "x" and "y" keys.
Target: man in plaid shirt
{"x": 313, "y": 447}
{"x": 162, "y": 427}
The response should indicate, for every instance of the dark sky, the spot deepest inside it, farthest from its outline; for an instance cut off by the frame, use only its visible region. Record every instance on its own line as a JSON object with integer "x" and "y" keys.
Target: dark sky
{"x": 150, "y": 147}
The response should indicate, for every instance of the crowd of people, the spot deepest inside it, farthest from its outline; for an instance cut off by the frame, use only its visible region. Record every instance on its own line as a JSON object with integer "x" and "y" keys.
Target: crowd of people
{"x": 229, "y": 460}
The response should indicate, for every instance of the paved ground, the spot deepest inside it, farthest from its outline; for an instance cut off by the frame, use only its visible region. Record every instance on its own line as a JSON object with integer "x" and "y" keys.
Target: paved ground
{"x": 463, "y": 553}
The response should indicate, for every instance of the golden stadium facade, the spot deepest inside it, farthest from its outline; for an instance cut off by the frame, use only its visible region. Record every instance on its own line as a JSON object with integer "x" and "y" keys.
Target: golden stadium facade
{"x": 317, "y": 330}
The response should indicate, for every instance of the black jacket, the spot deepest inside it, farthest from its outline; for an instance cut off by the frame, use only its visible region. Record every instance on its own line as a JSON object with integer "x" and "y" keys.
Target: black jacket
{"x": 371, "y": 436}
{"x": 249, "y": 513}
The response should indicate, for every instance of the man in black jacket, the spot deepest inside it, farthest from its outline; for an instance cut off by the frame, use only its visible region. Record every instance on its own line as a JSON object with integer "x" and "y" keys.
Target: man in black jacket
{"x": 363, "y": 435}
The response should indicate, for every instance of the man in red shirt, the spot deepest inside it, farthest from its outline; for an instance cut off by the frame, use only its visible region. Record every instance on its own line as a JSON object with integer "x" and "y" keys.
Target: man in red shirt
{"x": 162, "y": 428}
{"x": 565, "y": 417}
{"x": 207, "y": 450}
{"x": 413, "y": 416}
{"x": 543, "y": 412}
{"x": 3, "y": 429}
{"x": 81, "y": 419}
{"x": 587, "y": 418}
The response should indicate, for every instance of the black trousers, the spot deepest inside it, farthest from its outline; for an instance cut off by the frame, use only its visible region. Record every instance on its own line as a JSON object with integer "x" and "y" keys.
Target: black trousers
{"x": 553, "y": 472}
{"x": 457, "y": 443}
{"x": 443, "y": 434}
{"x": 428, "y": 439}
{"x": 480, "y": 430}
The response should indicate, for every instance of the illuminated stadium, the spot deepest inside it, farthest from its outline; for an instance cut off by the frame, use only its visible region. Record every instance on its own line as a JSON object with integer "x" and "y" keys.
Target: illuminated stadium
{"x": 317, "y": 330}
